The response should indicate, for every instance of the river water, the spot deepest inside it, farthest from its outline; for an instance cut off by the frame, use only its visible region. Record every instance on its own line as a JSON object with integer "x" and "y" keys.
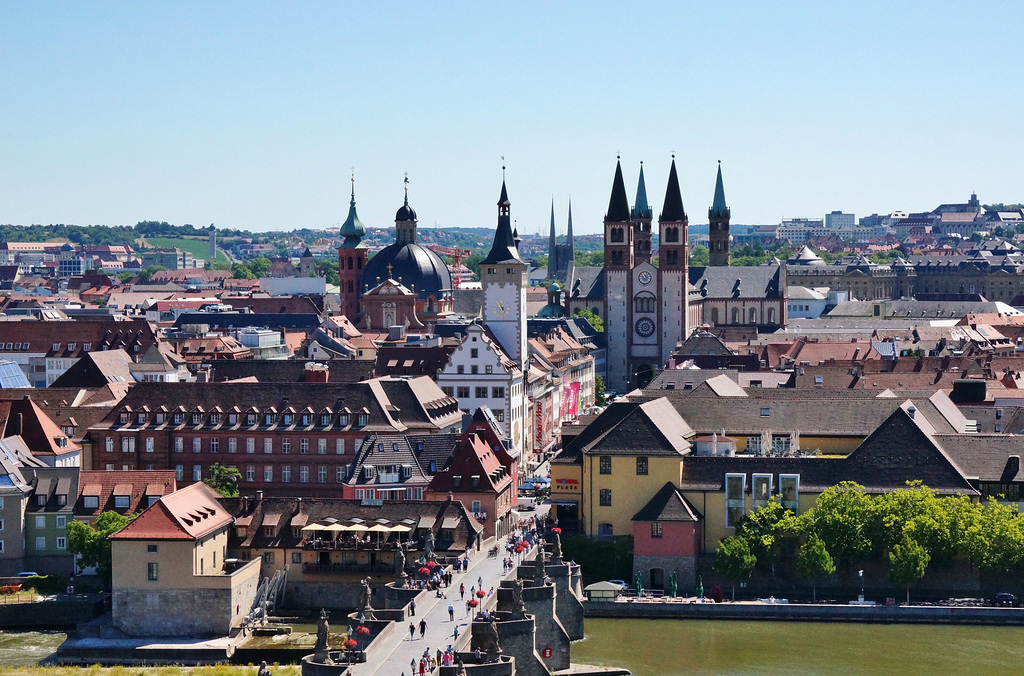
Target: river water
{"x": 706, "y": 647}
{"x": 25, "y": 648}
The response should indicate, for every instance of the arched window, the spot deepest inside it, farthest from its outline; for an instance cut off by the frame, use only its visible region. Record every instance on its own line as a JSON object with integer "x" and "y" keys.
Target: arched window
{"x": 753, "y": 316}
{"x": 617, "y": 235}
{"x": 771, "y": 315}
{"x": 644, "y": 303}
{"x": 672, "y": 234}
{"x": 349, "y": 263}
{"x": 714, "y": 315}
{"x": 735, "y": 315}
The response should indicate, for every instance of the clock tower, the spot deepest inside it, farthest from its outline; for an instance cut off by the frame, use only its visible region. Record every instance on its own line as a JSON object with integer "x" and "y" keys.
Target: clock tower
{"x": 503, "y": 277}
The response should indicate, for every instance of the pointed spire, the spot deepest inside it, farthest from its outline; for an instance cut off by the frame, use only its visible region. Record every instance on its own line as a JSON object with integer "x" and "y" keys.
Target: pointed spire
{"x": 719, "y": 209}
{"x": 640, "y": 208}
{"x": 503, "y": 249}
{"x": 672, "y": 210}
{"x": 618, "y": 205}
{"x": 552, "y": 239}
{"x": 569, "y": 237}
{"x": 352, "y": 229}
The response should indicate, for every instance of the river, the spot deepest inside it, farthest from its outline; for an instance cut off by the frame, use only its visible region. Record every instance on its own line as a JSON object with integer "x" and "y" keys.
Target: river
{"x": 706, "y": 647}
{"x": 25, "y": 648}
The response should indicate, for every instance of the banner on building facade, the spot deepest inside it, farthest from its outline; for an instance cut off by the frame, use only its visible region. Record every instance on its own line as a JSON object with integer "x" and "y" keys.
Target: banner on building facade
{"x": 570, "y": 400}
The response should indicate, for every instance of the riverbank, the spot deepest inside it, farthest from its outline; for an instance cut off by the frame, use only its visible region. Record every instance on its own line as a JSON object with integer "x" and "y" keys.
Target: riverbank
{"x": 218, "y": 670}
{"x": 799, "y": 612}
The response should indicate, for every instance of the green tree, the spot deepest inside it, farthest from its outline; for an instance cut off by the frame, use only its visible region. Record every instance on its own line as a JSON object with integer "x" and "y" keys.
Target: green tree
{"x": 259, "y": 266}
{"x": 908, "y": 562}
{"x": 92, "y": 545}
{"x": 599, "y": 391}
{"x": 764, "y": 528}
{"x": 813, "y": 562}
{"x": 589, "y": 315}
{"x": 734, "y": 561}
{"x": 148, "y": 273}
{"x": 224, "y": 479}
{"x": 700, "y": 256}
{"x": 841, "y": 518}
{"x": 241, "y": 271}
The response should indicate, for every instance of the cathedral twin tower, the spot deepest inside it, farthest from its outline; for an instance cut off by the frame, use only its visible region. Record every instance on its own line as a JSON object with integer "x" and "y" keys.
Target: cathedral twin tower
{"x": 647, "y": 308}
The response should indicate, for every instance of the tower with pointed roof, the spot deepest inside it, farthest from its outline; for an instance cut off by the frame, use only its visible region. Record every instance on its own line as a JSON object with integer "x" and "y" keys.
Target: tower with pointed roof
{"x": 645, "y": 305}
{"x": 641, "y": 217}
{"x": 352, "y": 255}
{"x": 673, "y": 268}
{"x": 718, "y": 229}
{"x": 503, "y": 278}
{"x": 560, "y": 255}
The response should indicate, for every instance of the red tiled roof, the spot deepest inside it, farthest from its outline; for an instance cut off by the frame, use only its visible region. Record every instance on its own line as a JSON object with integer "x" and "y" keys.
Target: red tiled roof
{"x": 137, "y": 484}
{"x": 186, "y": 514}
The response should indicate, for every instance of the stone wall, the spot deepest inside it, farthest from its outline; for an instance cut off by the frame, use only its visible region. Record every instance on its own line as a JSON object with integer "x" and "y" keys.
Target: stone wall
{"x": 551, "y": 635}
{"x": 567, "y": 604}
{"x": 172, "y": 612}
{"x": 517, "y": 639}
{"x": 685, "y": 568}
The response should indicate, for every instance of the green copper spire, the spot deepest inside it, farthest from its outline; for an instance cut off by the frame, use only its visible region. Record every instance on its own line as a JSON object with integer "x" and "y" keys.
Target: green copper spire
{"x": 640, "y": 208}
{"x": 353, "y": 229}
{"x": 718, "y": 207}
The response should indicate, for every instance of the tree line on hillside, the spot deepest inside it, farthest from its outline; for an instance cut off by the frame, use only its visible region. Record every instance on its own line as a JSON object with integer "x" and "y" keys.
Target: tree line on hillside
{"x": 910, "y": 529}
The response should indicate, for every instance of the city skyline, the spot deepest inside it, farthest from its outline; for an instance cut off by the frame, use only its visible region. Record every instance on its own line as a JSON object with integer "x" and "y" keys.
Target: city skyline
{"x": 252, "y": 116}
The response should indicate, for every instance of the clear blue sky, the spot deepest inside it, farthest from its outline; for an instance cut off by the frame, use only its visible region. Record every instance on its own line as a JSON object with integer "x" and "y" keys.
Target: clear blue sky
{"x": 250, "y": 114}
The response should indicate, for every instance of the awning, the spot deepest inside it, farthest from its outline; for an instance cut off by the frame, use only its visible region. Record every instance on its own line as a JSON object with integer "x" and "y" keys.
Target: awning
{"x": 357, "y": 528}
{"x": 379, "y": 528}
{"x": 336, "y": 527}
{"x": 400, "y": 528}
{"x": 564, "y": 503}
{"x": 313, "y": 527}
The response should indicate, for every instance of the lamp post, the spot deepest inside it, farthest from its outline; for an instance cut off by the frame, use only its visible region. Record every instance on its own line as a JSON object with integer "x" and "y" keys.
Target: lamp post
{"x": 860, "y": 573}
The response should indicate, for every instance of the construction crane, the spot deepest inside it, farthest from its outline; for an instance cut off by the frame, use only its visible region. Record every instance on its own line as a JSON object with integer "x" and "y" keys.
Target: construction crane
{"x": 456, "y": 255}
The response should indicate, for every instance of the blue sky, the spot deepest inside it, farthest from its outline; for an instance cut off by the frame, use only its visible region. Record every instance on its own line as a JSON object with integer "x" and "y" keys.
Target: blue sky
{"x": 251, "y": 114}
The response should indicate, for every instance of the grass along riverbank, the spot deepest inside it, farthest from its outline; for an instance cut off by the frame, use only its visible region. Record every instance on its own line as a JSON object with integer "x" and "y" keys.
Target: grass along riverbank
{"x": 218, "y": 670}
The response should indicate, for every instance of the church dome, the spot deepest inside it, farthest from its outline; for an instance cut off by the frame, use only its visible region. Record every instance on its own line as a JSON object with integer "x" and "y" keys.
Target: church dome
{"x": 415, "y": 266}
{"x": 405, "y": 213}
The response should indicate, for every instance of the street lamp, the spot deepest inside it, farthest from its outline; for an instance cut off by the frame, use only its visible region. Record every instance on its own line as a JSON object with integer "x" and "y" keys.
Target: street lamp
{"x": 860, "y": 573}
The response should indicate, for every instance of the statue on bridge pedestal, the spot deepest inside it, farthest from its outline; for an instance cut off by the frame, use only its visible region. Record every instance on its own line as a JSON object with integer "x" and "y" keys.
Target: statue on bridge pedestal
{"x": 428, "y": 546}
{"x": 556, "y": 551}
{"x": 365, "y": 610}
{"x": 401, "y": 576}
{"x": 323, "y": 631}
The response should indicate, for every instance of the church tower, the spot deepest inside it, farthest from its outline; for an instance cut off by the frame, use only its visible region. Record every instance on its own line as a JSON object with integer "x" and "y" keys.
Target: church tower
{"x": 718, "y": 218}
{"x": 405, "y": 220}
{"x": 553, "y": 266}
{"x": 618, "y": 266}
{"x": 672, "y": 267}
{"x": 503, "y": 278}
{"x": 352, "y": 255}
{"x": 641, "y": 221}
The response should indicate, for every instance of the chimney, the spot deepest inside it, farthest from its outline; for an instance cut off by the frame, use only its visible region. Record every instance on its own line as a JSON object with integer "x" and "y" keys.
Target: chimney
{"x": 259, "y": 496}
{"x": 911, "y": 410}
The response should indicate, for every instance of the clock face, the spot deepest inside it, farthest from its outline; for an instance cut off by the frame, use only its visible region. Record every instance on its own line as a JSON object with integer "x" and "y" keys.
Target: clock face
{"x": 644, "y": 327}
{"x": 501, "y": 309}
{"x": 645, "y": 277}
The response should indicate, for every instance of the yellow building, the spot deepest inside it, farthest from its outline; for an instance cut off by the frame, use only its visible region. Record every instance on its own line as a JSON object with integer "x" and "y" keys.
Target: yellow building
{"x": 171, "y": 561}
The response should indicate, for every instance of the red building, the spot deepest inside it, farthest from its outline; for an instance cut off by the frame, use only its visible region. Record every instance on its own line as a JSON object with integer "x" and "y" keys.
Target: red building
{"x": 666, "y": 540}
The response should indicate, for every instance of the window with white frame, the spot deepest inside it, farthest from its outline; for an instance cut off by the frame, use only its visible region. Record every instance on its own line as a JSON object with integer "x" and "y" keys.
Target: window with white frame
{"x": 127, "y": 444}
{"x": 321, "y": 446}
{"x": 179, "y": 444}
{"x": 197, "y": 472}
{"x": 41, "y": 542}
{"x": 339, "y": 447}
{"x": 735, "y": 498}
{"x": 250, "y": 445}
{"x": 250, "y": 472}
{"x": 110, "y": 445}
{"x": 232, "y": 445}
{"x": 303, "y": 446}
{"x": 321, "y": 474}
{"x": 62, "y": 522}
{"x": 339, "y": 474}
{"x": 197, "y": 445}
{"x": 304, "y": 474}
{"x": 789, "y": 490}
{"x": 268, "y": 473}
{"x": 215, "y": 445}
{"x": 40, "y": 521}
{"x": 179, "y": 472}
{"x": 268, "y": 445}
{"x": 150, "y": 444}
{"x": 761, "y": 490}
{"x": 286, "y": 473}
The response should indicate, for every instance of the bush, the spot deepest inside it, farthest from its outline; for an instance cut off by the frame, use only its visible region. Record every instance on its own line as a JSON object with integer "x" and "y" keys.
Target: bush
{"x": 46, "y": 584}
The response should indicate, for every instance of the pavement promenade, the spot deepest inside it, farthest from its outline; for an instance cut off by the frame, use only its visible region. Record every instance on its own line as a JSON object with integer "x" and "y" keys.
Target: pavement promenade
{"x": 398, "y": 659}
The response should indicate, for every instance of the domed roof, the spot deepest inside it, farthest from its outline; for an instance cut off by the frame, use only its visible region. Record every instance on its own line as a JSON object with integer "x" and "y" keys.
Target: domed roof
{"x": 554, "y": 287}
{"x": 352, "y": 229}
{"x": 551, "y": 311}
{"x": 405, "y": 212}
{"x": 415, "y": 266}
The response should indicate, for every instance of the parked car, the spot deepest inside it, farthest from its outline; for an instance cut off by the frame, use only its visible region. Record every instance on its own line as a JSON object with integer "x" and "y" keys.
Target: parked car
{"x": 621, "y": 583}
{"x": 28, "y": 573}
{"x": 1005, "y": 600}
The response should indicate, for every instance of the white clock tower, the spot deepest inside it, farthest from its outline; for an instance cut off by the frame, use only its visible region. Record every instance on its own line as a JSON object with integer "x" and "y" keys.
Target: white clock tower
{"x": 503, "y": 277}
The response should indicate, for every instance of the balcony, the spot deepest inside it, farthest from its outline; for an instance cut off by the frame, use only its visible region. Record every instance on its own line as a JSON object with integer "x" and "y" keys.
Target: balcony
{"x": 346, "y": 568}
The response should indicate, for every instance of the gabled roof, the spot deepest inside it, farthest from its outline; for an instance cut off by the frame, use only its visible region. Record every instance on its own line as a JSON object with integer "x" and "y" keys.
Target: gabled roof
{"x": 668, "y": 504}
{"x": 186, "y": 514}
{"x": 630, "y": 428}
{"x": 43, "y": 436}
